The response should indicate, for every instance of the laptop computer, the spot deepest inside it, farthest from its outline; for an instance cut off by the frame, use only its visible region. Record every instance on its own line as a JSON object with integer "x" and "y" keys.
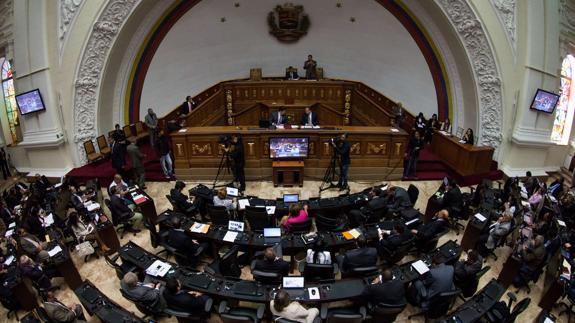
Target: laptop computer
{"x": 236, "y": 226}
{"x": 294, "y": 286}
{"x": 291, "y": 198}
{"x": 272, "y": 235}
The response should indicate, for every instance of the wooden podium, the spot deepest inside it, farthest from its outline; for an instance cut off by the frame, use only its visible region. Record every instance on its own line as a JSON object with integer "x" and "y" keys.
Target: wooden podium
{"x": 288, "y": 173}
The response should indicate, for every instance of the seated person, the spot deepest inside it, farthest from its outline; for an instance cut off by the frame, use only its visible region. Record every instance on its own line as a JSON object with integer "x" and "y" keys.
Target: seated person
{"x": 120, "y": 209}
{"x": 376, "y": 205}
{"x": 183, "y": 301}
{"x": 429, "y": 230}
{"x": 556, "y": 188}
{"x": 532, "y": 255}
{"x": 35, "y": 272}
{"x": 496, "y": 231}
{"x": 279, "y": 117}
{"x": 283, "y": 307}
{"x": 318, "y": 254}
{"x": 181, "y": 200}
{"x": 119, "y": 183}
{"x": 452, "y": 199}
{"x": 221, "y": 199}
{"x": 437, "y": 280}
{"x": 393, "y": 239}
{"x": 465, "y": 271}
{"x": 385, "y": 290}
{"x": 58, "y": 312}
{"x": 537, "y": 197}
{"x": 272, "y": 264}
{"x": 362, "y": 256}
{"x": 309, "y": 118}
{"x": 530, "y": 183}
{"x": 32, "y": 246}
{"x": 295, "y": 215}
{"x": 84, "y": 232}
{"x": 468, "y": 137}
{"x": 79, "y": 198}
{"x": 291, "y": 74}
{"x": 397, "y": 199}
{"x": 178, "y": 239}
{"x": 148, "y": 294}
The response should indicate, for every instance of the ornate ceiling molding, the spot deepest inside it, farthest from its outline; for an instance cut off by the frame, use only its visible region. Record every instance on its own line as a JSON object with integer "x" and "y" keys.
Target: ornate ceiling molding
{"x": 88, "y": 77}
{"x": 68, "y": 10}
{"x": 506, "y": 12}
{"x": 487, "y": 79}
{"x": 7, "y": 27}
{"x": 567, "y": 13}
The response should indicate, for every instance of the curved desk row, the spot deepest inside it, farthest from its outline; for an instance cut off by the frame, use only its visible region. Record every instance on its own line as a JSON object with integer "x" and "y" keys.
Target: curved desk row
{"x": 253, "y": 291}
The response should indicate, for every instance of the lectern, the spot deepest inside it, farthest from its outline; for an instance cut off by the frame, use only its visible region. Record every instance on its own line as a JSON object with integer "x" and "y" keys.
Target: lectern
{"x": 288, "y": 172}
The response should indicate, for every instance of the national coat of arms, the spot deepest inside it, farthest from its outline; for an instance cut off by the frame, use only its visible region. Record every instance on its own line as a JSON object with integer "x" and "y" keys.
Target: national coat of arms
{"x": 288, "y": 23}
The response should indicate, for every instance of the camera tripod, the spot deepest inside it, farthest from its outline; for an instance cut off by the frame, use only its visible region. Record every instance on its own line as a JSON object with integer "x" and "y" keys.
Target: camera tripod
{"x": 330, "y": 174}
{"x": 224, "y": 166}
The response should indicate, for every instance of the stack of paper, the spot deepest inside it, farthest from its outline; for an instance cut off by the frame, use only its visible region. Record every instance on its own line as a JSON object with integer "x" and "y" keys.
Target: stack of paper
{"x": 420, "y": 266}
{"x": 182, "y": 130}
{"x": 12, "y": 225}
{"x": 351, "y": 234}
{"x": 9, "y": 233}
{"x": 158, "y": 268}
{"x": 394, "y": 130}
{"x": 48, "y": 220}
{"x": 271, "y": 210}
{"x": 139, "y": 199}
{"x": 200, "y": 227}
{"x": 57, "y": 249}
{"x": 93, "y": 207}
{"x": 313, "y": 293}
{"x": 8, "y": 260}
{"x": 480, "y": 217}
{"x": 243, "y": 203}
{"x": 230, "y": 236}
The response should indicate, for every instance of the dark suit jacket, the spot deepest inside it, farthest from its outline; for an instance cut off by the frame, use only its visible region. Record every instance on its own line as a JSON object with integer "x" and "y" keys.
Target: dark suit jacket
{"x": 279, "y": 266}
{"x": 429, "y": 230}
{"x": 117, "y": 155}
{"x": 374, "y": 205}
{"x": 184, "y": 302}
{"x": 305, "y": 117}
{"x": 453, "y": 199}
{"x": 442, "y": 279}
{"x": 274, "y": 118}
{"x": 119, "y": 208}
{"x": 145, "y": 294}
{"x": 395, "y": 240}
{"x": 182, "y": 242}
{"x": 185, "y": 109}
{"x": 360, "y": 257}
{"x": 390, "y": 292}
{"x": 180, "y": 199}
{"x": 36, "y": 274}
{"x": 399, "y": 201}
{"x": 59, "y": 312}
{"x": 293, "y": 75}
{"x": 465, "y": 271}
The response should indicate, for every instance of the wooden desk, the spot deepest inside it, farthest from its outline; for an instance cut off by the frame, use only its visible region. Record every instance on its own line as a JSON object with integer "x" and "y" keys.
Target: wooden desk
{"x": 107, "y": 233}
{"x": 464, "y": 159}
{"x": 147, "y": 207}
{"x": 288, "y": 173}
{"x": 472, "y": 233}
{"x": 375, "y": 151}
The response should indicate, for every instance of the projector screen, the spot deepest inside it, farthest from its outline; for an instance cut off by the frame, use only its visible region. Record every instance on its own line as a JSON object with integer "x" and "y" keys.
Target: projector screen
{"x": 286, "y": 148}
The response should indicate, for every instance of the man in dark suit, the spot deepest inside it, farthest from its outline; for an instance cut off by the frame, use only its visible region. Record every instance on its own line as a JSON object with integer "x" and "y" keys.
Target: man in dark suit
{"x": 183, "y": 301}
{"x": 181, "y": 200}
{"x": 146, "y": 293}
{"x": 395, "y": 238}
{"x": 427, "y": 231}
{"x": 272, "y": 264}
{"x": 178, "y": 239}
{"x": 362, "y": 256}
{"x": 375, "y": 207}
{"x": 438, "y": 280}
{"x": 387, "y": 290}
{"x": 465, "y": 271}
{"x": 187, "y": 107}
{"x": 122, "y": 210}
{"x": 117, "y": 156}
{"x": 278, "y": 117}
{"x": 398, "y": 199}
{"x": 59, "y": 312}
{"x": 452, "y": 199}
{"x": 309, "y": 118}
{"x": 291, "y": 74}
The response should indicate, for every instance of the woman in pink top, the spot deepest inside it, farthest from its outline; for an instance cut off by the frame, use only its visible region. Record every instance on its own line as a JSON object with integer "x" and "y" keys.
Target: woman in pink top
{"x": 296, "y": 215}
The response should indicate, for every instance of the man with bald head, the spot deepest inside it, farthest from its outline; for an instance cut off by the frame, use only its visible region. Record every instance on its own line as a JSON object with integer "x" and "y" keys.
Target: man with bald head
{"x": 438, "y": 224}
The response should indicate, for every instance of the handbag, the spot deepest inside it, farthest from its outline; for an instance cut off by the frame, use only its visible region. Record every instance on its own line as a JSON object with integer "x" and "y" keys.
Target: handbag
{"x": 84, "y": 249}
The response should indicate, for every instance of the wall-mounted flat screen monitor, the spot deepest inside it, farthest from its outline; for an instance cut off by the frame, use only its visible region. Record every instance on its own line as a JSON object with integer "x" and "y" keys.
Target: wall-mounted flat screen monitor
{"x": 544, "y": 101}
{"x": 30, "y": 102}
{"x": 288, "y": 147}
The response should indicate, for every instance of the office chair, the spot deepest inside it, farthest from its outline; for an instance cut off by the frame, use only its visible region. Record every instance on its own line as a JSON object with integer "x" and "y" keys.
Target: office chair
{"x": 300, "y": 227}
{"x": 454, "y": 217}
{"x": 258, "y": 218}
{"x": 328, "y": 224}
{"x": 227, "y": 265}
{"x": 568, "y": 308}
{"x": 122, "y": 222}
{"x": 188, "y": 212}
{"x": 439, "y": 305}
{"x": 533, "y": 276}
{"x": 264, "y": 277}
{"x": 468, "y": 288}
{"x": 361, "y": 272}
{"x": 240, "y": 314}
{"x": 413, "y": 193}
{"x": 426, "y": 246}
{"x": 500, "y": 242}
{"x": 122, "y": 269}
{"x": 195, "y": 316}
{"x": 386, "y": 313}
{"x": 393, "y": 256}
{"x": 509, "y": 316}
{"x": 279, "y": 319}
{"x": 317, "y": 272}
{"x": 218, "y": 215}
{"x": 12, "y": 305}
{"x": 342, "y": 315}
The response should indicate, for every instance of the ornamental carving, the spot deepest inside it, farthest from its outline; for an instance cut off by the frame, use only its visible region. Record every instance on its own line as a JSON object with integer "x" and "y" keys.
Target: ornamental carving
{"x": 288, "y": 23}
{"x": 487, "y": 78}
{"x": 201, "y": 149}
{"x": 87, "y": 82}
{"x": 355, "y": 149}
{"x": 567, "y": 12}
{"x": 374, "y": 149}
{"x": 229, "y": 108}
{"x": 68, "y": 11}
{"x": 347, "y": 107}
{"x": 506, "y": 12}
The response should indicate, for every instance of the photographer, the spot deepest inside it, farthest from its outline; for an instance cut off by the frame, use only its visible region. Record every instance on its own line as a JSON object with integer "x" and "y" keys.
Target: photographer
{"x": 342, "y": 148}
{"x": 235, "y": 148}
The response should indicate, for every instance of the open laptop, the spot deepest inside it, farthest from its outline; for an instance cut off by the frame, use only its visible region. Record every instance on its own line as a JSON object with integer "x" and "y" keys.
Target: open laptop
{"x": 272, "y": 235}
{"x": 291, "y": 198}
{"x": 236, "y": 226}
{"x": 294, "y": 286}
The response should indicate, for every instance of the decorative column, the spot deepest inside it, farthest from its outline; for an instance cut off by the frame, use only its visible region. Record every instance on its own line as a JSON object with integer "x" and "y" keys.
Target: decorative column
{"x": 229, "y": 107}
{"x": 347, "y": 107}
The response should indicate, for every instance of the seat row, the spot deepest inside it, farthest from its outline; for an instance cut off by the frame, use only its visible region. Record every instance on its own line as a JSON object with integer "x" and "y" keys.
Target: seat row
{"x": 132, "y": 132}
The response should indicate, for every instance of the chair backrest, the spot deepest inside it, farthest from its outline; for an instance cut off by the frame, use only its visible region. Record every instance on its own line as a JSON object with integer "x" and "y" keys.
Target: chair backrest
{"x": 41, "y": 311}
{"x": 235, "y": 318}
{"x": 518, "y": 309}
{"x": 229, "y": 266}
{"x": 300, "y": 227}
{"x": 370, "y": 271}
{"x": 89, "y": 147}
{"x": 140, "y": 127}
{"x": 115, "y": 219}
{"x": 102, "y": 142}
{"x": 154, "y": 236}
{"x": 218, "y": 214}
{"x": 318, "y": 272}
{"x": 387, "y": 312}
{"x": 441, "y": 303}
{"x": 345, "y": 318}
{"x": 469, "y": 287}
{"x": 128, "y": 131}
{"x": 266, "y": 277}
{"x": 112, "y": 263}
{"x": 257, "y": 217}
{"x": 413, "y": 193}
{"x": 172, "y": 202}
{"x": 279, "y": 319}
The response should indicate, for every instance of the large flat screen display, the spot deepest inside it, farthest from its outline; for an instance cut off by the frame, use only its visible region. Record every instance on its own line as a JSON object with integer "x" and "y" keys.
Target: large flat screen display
{"x": 544, "y": 101}
{"x": 30, "y": 102}
{"x": 288, "y": 148}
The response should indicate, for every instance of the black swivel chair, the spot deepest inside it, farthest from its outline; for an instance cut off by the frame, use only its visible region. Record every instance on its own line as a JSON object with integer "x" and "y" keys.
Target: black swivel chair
{"x": 439, "y": 305}
{"x": 342, "y": 315}
{"x": 386, "y": 313}
{"x": 240, "y": 314}
{"x": 258, "y": 218}
{"x": 188, "y": 212}
{"x": 189, "y": 317}
{"x": 393, "y": 256}
{"x": 317, "y": 272}
{"x": 468, "y": 288}
{"x": 329, "y": 224}
{"x": 300, "y": 227}
{"x": 413, "y": 193}
{"x": 218, "y": 215}
{"x": 122, "y": 222}
{"x": 122, "y": 269}
{"x": 509, "y": 316}
{"x": 227, "y": 265}
{"x": 264, "y": 277}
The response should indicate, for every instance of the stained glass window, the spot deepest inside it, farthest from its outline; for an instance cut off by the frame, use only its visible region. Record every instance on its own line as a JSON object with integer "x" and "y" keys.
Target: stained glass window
{"x": 9, "y": 98}
{"x": 566, "y": 106}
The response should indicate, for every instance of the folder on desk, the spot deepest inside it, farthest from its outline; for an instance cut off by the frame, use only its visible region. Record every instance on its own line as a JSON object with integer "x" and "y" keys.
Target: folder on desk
{"x": 200, "y": 228}
{"x": 420, "y": 267}
{"x": 57, "y": 249}
{"x": 480, "y": 217}
{"x": 230, "y": 236}
{"x": 351, "y": 234}
{"x": 139, "y": 199}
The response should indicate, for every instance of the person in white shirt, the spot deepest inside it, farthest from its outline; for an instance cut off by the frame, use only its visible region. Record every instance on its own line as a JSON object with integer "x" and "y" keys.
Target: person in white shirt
{"x": 221, "y": 199}
{"x": 282, "y": 306}
{"x": 319, "y": 254}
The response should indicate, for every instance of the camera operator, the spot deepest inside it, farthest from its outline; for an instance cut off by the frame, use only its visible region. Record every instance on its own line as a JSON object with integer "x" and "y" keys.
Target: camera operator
{"x": 342, "y": 147}
{"x": 235, "y": 148}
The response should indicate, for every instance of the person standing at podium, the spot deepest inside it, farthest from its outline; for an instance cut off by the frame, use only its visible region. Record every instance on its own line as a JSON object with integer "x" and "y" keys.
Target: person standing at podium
{"x": 310, "y": 68}
{"x": 309, "y": 118}
{"x": 278, "y": 117}
{"x": 187, "y": 107}
{"x": 342, "y": 149}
